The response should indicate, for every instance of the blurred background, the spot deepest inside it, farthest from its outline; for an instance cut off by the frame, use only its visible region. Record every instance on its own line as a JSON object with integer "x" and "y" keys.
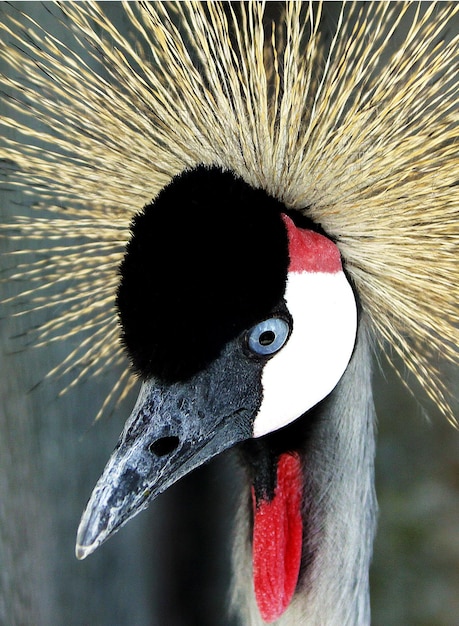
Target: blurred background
{"x": 170, "y": 565}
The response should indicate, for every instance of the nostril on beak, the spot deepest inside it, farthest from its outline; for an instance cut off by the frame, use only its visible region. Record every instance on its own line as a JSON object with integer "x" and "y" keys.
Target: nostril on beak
{"x": 164, "y": 446}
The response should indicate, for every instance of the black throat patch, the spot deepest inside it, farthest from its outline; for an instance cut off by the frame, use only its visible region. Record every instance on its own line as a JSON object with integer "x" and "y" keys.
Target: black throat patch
{"x": 207, "y": 259}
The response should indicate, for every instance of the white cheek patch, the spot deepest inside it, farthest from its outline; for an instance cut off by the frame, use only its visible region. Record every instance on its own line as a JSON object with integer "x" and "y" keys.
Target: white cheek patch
{"x": 311, "y": 363}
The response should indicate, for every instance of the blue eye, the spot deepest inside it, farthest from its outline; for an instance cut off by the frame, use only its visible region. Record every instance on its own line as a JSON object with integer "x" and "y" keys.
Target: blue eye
{"x": 268, "y": 336}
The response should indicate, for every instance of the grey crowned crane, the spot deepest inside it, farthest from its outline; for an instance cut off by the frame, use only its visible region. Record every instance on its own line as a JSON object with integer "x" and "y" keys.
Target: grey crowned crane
{"x": 224, "y": 321}
{"x": 298, "y": 200}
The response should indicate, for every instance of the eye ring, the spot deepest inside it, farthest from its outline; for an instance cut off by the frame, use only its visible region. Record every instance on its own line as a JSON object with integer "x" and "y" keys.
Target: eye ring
{"x": 268, "y": 337}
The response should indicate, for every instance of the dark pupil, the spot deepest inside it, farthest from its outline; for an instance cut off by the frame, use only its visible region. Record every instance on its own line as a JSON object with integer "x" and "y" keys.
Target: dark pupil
{"x": 266, "y": 338}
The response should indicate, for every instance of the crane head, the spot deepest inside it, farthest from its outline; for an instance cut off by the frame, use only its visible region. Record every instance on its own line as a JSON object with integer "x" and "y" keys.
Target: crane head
{"x": 237, "y": 321}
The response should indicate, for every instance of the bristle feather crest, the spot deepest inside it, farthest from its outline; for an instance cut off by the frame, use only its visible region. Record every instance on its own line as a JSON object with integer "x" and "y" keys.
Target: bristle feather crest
{"x": 365, "y": 143}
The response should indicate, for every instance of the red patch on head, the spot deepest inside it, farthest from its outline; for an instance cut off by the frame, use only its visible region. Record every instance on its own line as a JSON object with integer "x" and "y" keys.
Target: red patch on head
{"x": 309, "y": 251}
{"x": 277, "y": 540}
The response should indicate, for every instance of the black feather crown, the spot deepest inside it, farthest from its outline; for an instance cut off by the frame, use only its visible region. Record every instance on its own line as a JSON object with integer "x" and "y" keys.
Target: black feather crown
{"x": 208, "y": 258}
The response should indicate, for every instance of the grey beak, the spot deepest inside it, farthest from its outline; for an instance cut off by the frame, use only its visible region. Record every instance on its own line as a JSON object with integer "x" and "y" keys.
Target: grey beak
{"x": 172, "y": 430}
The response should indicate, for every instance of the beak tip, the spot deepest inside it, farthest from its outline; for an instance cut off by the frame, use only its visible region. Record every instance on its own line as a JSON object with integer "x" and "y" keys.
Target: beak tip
{"x": 87, "y": 539}
{"x": 82, "y": 551}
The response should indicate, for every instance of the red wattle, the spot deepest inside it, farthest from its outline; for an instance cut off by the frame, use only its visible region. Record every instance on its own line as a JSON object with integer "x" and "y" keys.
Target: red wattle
{"x": 277, "y": 540}
{"x": 310, "y": 251}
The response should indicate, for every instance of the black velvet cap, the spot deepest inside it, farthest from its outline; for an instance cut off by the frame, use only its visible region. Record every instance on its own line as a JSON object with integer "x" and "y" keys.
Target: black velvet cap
{"x": 207, "y": 259}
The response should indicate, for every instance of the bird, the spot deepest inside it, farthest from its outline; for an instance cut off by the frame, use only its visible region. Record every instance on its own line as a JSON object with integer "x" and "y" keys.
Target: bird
{"x": 266, "y": 209}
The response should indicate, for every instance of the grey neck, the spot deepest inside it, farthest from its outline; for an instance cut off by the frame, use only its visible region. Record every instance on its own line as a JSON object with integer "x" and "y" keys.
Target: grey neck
{"x": 334, "y": 590}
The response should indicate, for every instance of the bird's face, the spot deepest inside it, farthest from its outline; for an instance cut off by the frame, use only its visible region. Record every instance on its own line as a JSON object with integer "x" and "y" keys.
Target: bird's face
{"x": 238, "y": 322}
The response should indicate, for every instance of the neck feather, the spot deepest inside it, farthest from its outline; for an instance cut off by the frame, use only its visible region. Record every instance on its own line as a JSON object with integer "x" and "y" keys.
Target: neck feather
{"x": 340, "y": 511}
